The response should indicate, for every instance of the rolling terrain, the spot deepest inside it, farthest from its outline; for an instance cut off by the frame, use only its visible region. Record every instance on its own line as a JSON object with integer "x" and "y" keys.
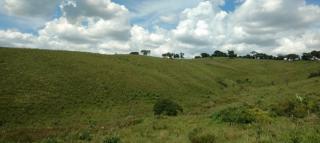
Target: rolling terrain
{"x": 58, "y": 96}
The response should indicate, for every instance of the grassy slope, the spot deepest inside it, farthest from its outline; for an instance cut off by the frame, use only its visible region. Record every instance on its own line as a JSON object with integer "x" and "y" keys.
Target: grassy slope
{"x": 53, "y": 93}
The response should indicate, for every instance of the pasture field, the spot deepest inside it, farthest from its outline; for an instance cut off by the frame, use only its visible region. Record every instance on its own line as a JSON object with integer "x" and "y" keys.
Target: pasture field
{"x": 57, "y": 96}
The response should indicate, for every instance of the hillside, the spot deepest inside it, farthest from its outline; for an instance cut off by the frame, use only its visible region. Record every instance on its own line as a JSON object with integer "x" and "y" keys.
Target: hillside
{"x": 56, "y": 95}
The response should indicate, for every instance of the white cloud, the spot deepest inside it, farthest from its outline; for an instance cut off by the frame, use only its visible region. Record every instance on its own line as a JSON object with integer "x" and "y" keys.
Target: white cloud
{"x": 13, "y": 38}
{"x": 77, "y": 10}
{"x": 262, "y": 25}
{"x": 274, "y": 27}
{"x": 94, "y": 26}
{"x": 156, "y": 12}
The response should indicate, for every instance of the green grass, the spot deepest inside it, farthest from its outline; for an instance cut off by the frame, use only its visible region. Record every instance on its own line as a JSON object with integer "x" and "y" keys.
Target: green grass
{"x": 54, "y": 96}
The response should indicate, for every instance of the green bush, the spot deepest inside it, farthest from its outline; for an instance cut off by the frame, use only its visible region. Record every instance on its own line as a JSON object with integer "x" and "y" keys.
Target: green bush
{"x": 240, "y": 115}
{"x": 167, "y": 107}
{"x": 260, "y": 115}
{"x": 85, "y": 135}
{"x": 197, "y": 136}
{"x": 112, "y": 139}
{"x": 298, "y": 107}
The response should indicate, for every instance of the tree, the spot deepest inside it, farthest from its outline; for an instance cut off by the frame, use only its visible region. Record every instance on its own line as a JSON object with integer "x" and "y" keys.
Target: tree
{"x": 165, "y": 55}
{"x": 168, "y": 55}
{"x": 307, "y": 56}
{"x": 248, "y": 56}
{"x": 205, "y": 55}
{"x": 316, "y": 54}
{"x": 145, "y": 52}
{"x": 263, "y": 56}
{"x": 231, "y": 54}
{"x": 292, "y": 56}
{"x": 181, "y": 55}
{"x": 134, "y": 53}
{"x": 280, "y": 57}
{"x": 218, "y": 53}
{"x": 197, "y": 57}
{"x": 176, "y": 56}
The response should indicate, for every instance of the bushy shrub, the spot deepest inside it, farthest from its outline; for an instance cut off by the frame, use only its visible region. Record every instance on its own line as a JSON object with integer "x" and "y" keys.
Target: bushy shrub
{"x": 260, "y": 115}
{"x": 112, "y": 139}
{"x": 85, "y": 135}
{"x": 167, "y": 107}
{"x": 198, "y": 136}
{"x": 298, "y": 107}
{"x": 240, "y": 115}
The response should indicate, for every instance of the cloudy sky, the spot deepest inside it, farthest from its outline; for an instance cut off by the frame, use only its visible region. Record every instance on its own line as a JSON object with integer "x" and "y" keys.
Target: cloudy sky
{"x": 189, "y": 26}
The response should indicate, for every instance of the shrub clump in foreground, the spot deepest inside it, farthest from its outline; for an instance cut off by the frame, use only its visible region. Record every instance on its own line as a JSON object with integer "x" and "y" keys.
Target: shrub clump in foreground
{"x": 298, "y": 107}
{"x": 167, "y": 107}
{"x": 241, "y": 115}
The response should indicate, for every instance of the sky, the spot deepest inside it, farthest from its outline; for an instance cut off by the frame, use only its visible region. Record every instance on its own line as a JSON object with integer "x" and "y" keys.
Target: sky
{"x": 189, "y": 26}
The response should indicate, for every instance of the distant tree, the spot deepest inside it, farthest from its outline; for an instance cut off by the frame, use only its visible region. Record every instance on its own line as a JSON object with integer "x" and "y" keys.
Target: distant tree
{"x": 181, "y": 55}
{"x": 232, "y": 54}
{"x": 205, "y": 55}
{"x": 263, "y": 56}
{"x": 145, "y": 52}
{"x": 168, "y": 55}
{"x": 176, "y": 56}
{"x": 218, "y": 53}
{"x": 165, "y": 55}
{"x": 316, "y": 54}
{"x": 280, "y": 57}
{"x": 307, "y": 56}
{"x": 248, "y": 56}
{"x": 292, "y": 57}
{"x": 134, "y": 53}
{"x": 253, "y": 53}
{"x": 197, "y": 57}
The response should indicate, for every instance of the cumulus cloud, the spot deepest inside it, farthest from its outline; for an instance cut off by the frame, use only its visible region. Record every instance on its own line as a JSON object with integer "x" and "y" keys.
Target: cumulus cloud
{"x": 11, "y": 38}
{"x": 273, "y": 27}
{"x": 77, "y": 10}
{"x": 86, "y": 25}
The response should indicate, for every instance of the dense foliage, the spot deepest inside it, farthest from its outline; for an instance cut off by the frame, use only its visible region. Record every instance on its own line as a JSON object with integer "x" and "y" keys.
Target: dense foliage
{"x": 167, "y": 107}
{"x": 240, "y": 115}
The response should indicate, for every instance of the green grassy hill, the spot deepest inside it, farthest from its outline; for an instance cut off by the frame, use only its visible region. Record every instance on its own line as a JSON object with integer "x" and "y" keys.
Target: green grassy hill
{"x": 56, "y": 96}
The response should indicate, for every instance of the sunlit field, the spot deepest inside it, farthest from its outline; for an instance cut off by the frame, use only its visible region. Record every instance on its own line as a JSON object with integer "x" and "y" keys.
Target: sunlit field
{"x": 56, "y": 96}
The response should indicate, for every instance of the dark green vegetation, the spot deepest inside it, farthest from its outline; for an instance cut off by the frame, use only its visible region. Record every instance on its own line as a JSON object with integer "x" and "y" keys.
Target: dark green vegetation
{"x": 166, "y": 107}
{"x": 314, "y": 74}
{"x": 241, "y": 115}
{"x": 55, "y": 96}
{"x": 311, "y": 56}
